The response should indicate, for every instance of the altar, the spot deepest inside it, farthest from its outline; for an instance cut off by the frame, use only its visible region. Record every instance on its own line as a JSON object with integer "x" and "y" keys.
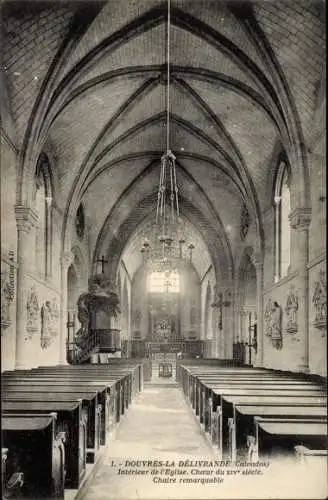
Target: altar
{"x": 164, "y": 318}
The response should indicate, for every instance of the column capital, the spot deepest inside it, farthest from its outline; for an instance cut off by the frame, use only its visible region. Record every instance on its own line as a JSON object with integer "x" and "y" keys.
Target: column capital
{"x": 300, "y": 218}
{"x": 67, "y": 259}
{"x": 26, "y": 218}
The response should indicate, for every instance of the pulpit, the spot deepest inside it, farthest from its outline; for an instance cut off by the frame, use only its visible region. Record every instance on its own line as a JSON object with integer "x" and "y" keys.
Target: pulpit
{"x": 97, "y": 312}
{"x": 108, "y": 340}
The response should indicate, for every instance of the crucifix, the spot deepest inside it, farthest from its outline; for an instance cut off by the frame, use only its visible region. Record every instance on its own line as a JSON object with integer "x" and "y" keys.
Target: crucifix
{"x": 103, "y": 262}
{"x": 167, "y": 284}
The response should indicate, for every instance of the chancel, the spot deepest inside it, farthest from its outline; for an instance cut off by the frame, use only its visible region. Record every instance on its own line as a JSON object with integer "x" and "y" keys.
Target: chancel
{"x": 163, "y": 249}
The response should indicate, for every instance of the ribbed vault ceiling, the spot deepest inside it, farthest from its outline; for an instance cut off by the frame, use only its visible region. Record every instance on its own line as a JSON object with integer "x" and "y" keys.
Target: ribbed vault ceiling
{"x": 88, "y": 81}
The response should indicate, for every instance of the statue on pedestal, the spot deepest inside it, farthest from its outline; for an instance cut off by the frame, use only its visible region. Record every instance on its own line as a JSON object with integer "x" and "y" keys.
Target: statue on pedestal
{"x": 276, "y": 325}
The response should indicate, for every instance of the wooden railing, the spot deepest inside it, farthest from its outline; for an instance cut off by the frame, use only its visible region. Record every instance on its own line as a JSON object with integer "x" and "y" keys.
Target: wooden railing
{"x": 97, "y": 341}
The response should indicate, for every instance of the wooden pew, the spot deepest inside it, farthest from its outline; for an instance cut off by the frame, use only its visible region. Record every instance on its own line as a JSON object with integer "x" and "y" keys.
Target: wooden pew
{"x": 242, "y": 423}
{"x": 71, "y": 420}
{"x": 223, "y": 416}
{"x": 62, "y": 384}
{"x": 37, "y": 451}
{"x": 106, "y": 392}
{"x": 206, "y": 395}
{"x": 118, "y": 388}
{"x": 205, "y": 389}
{"x": 235, "y": 376}
{"x": 310, "y": 457}
{"x": 89, "y": 405}
{"x": 132, "y": 372}
{"x": 189, "y": 374}
{"x": 277, "y": 437}
{"x": 145, "y": 366}
{"x": 121, "y": 376}
{"x": 122, "y": 390}
{"x": 141, "y": 370}
{"x": 216, "y": 365}
{"x": 204, "y": 385}
{"x": 217, "y": 390}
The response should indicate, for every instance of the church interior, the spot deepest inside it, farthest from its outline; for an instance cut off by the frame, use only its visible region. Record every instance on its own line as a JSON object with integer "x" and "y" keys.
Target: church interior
{"x": 163, "y": 248}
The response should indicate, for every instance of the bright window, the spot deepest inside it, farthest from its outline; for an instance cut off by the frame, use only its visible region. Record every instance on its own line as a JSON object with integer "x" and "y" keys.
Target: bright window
{"x": 43, "y": 198}
{"x": 285, "y": 226}
{"x": 41, "y": 230}
{"x": 282, "y": 223}
{"x": 161, "y": 282}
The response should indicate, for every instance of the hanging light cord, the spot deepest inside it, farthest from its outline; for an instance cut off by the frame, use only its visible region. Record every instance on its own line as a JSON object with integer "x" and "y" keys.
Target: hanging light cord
{"x": 168, "y": 159}
{"x": 168, "y": 80}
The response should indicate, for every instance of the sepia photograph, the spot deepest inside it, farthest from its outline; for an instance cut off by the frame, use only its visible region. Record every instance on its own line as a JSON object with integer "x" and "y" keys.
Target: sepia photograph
{"x": 163, "y": 250}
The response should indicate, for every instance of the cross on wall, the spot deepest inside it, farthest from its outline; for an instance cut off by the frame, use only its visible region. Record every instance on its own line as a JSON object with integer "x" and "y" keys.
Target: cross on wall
{"x": 103, "y": 262}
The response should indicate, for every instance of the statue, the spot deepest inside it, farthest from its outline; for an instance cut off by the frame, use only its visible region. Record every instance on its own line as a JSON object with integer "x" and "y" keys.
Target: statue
{"x": 46, "y": 319}
{"x": 267, "y": 319}
{"x": 320, "y": 302}
{"x": 6, "y": 299}
{"x": 291, "y": 311}
{"x": 276, "y": 326}
{"x": 32, "y": 307}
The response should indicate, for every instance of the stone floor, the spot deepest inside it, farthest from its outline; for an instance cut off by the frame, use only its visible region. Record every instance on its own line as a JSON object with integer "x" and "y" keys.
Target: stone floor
{"x": 160, "y": 426}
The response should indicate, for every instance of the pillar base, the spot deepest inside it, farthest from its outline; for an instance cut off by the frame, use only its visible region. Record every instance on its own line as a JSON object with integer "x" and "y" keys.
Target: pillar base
{"x": 23, "y": 366}
{"x": 63, "y": 362}
{"x": 303, "y": 369}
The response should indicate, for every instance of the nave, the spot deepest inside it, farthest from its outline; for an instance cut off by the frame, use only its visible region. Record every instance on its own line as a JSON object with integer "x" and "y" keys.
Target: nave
{"x": 163, "y": 212}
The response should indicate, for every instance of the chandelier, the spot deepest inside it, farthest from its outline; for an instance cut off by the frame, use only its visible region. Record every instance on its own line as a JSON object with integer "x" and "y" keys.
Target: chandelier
{"x": 166, "y": 255}
{"x": 168, "y": 178}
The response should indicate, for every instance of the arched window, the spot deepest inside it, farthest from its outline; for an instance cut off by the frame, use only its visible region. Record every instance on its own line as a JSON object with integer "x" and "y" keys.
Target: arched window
{"x": 282, "y": 223}
{"x": 161, "y": 282}
{"x": 43, "y": 200}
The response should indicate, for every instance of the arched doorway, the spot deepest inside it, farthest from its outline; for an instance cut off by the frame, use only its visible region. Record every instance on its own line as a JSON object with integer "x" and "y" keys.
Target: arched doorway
{"x": 76, "y": 284}
{"x": 247, "y": 310}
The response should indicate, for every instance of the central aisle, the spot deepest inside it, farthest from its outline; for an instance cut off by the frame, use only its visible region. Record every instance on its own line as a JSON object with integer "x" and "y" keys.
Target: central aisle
{"x": 159, "y": 425}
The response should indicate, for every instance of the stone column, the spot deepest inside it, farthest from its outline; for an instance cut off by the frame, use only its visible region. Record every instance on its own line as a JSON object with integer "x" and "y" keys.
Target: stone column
{"x": 65, "y": 261}
{"x": 243, "y": 327}
{"x": 258, "y": 263}
{"x": 300, "y": 219}
{"x": 216, "y": 340}
{"x": 228, "y": 322}
{"x": 48, "y": 256}
{"x": 277, "y": 201}
{"x": 26, "y": 218}
{"x": 237, "y": 311}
